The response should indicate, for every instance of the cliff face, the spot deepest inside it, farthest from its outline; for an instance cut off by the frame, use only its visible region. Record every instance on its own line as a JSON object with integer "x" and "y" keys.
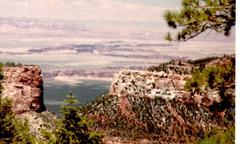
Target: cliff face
{"x": 158, "y": 85}
{"x": 154, "y": 105}
{"x": 148, "y": 84}
{"x": 24, "y": 85}
{"x": 135, "y": 108}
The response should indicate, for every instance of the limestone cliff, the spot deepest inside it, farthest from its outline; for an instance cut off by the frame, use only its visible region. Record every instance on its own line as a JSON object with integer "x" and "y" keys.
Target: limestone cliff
{"x": 24, "y": 85}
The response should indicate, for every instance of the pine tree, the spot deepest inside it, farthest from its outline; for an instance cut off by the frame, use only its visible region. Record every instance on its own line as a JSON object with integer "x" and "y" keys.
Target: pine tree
{"x": 7, "y": 130}
{"x": 197, "y": 16}
{"x": 72, "y": 128}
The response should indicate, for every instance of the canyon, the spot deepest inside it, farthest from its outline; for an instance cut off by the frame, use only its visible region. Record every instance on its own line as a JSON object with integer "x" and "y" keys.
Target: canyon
{"x": 151, "y": 105}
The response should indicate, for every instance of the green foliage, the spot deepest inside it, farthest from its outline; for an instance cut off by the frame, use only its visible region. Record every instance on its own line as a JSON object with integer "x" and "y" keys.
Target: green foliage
{"x": 197, "y": 82}
{"x": 227, "y": 137}
{"x": 72, "y": 127}
{"x": 1, "y": 66}
{"x": 211, "y": 77}
{"x": 201, "y": 62}
{"x": 12, "y": 64}
{"x": 12, "y": 129}
{"x": 219, "y": 78}
{"x": 168, "y": 37}
{"x": 160, "y": 67}
{"x": 6, "y": 124}
{"x": 197, "y": 16}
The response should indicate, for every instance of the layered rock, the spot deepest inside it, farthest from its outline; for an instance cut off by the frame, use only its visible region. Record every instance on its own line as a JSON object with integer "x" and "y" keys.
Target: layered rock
{"x": 24, "y": 85}
{"x": 148, "y": 84}
{"x": 155, "y": 105}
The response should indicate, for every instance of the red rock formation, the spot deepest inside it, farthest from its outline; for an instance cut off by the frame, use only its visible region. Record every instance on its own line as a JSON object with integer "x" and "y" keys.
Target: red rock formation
{"x": 24, "y": 85}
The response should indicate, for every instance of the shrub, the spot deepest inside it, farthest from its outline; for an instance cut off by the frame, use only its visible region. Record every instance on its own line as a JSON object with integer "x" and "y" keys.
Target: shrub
{"x": 220, "y": 78}
{"x": 13, "y": 130}
{"x": 211, "y": 77}
{"x": 226, "y": 137}
{"x": 72, "y": 127}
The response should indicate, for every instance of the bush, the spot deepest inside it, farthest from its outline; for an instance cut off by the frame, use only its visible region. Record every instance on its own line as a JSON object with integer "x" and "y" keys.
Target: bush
{"x": 219, "y": 78}
{"x": 13, "y": 130}
{"x": 226, "y": 137}
{"x": 211, "y": 77}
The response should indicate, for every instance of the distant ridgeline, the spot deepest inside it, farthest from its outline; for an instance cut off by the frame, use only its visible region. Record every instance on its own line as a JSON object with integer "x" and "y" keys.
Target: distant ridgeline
{"x": 178, "y": 101}
{"x": 174, "y": 102}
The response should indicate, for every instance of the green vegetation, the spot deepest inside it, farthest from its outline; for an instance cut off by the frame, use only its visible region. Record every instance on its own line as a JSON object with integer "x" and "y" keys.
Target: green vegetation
{"x": 12, "y": 64}
{"x": 161, "y": 67}
{"x": 173, "y": 65}
{"x": 12, "y": 129}
{"x": 200, "y": 61}
{"x": 198, "y": 16}
{"x": 220, "y": 78}
{"x": 213, "y": 77}
{"x": 220, "y": 137}
{"x": 210, "y": 77}
{"x": 72, "y": 127}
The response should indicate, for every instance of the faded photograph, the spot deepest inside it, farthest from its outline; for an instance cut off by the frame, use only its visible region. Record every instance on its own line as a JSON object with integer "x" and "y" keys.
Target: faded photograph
{"x": 117, "y": 72}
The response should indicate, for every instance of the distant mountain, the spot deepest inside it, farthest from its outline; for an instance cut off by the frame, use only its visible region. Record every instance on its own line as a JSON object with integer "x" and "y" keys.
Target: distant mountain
{"x": 25, "y": 23}
{"x": 39, "y": 26}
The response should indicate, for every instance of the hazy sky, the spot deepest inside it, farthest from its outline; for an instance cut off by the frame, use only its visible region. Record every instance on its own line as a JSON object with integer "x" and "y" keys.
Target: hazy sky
{"x": 141, "y": 15}
{"x": 134, "y": 11}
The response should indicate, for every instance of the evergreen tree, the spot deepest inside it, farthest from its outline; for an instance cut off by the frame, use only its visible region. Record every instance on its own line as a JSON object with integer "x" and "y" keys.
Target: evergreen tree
{"x": 72, "y": 128}
{"x": 197, "y": 16}
{"x": 13, "y": 130}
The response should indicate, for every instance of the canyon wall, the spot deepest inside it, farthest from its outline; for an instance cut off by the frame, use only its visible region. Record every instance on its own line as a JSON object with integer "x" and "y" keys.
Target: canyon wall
{"x": 148, "y": 84}
{"x": 24, "y": 85}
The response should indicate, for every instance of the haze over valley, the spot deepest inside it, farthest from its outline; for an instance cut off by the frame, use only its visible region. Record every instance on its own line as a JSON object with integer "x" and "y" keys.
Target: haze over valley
{"x": 76, "y": 48}
{"x": 67, "y": 48}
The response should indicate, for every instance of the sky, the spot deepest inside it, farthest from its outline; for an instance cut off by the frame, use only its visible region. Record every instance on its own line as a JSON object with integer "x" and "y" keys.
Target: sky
{"x": 116, "y": 15}
{"x": 119, "y": 12}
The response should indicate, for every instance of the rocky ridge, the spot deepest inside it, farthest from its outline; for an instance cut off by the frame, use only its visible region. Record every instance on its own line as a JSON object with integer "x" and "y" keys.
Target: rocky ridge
{"x": 155, "y": 105}
{"x": 24, "y": 86}
{"x": 148, "y": 84}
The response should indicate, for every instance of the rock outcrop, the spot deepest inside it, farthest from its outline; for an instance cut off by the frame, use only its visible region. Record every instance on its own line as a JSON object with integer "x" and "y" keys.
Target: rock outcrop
{"x": 39, "y": 121}
{"x": 154, "y": 105}
{"x": 24, "y": 85}
{"x": 148, "y": 84}
{"x": 174, "y": 67}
